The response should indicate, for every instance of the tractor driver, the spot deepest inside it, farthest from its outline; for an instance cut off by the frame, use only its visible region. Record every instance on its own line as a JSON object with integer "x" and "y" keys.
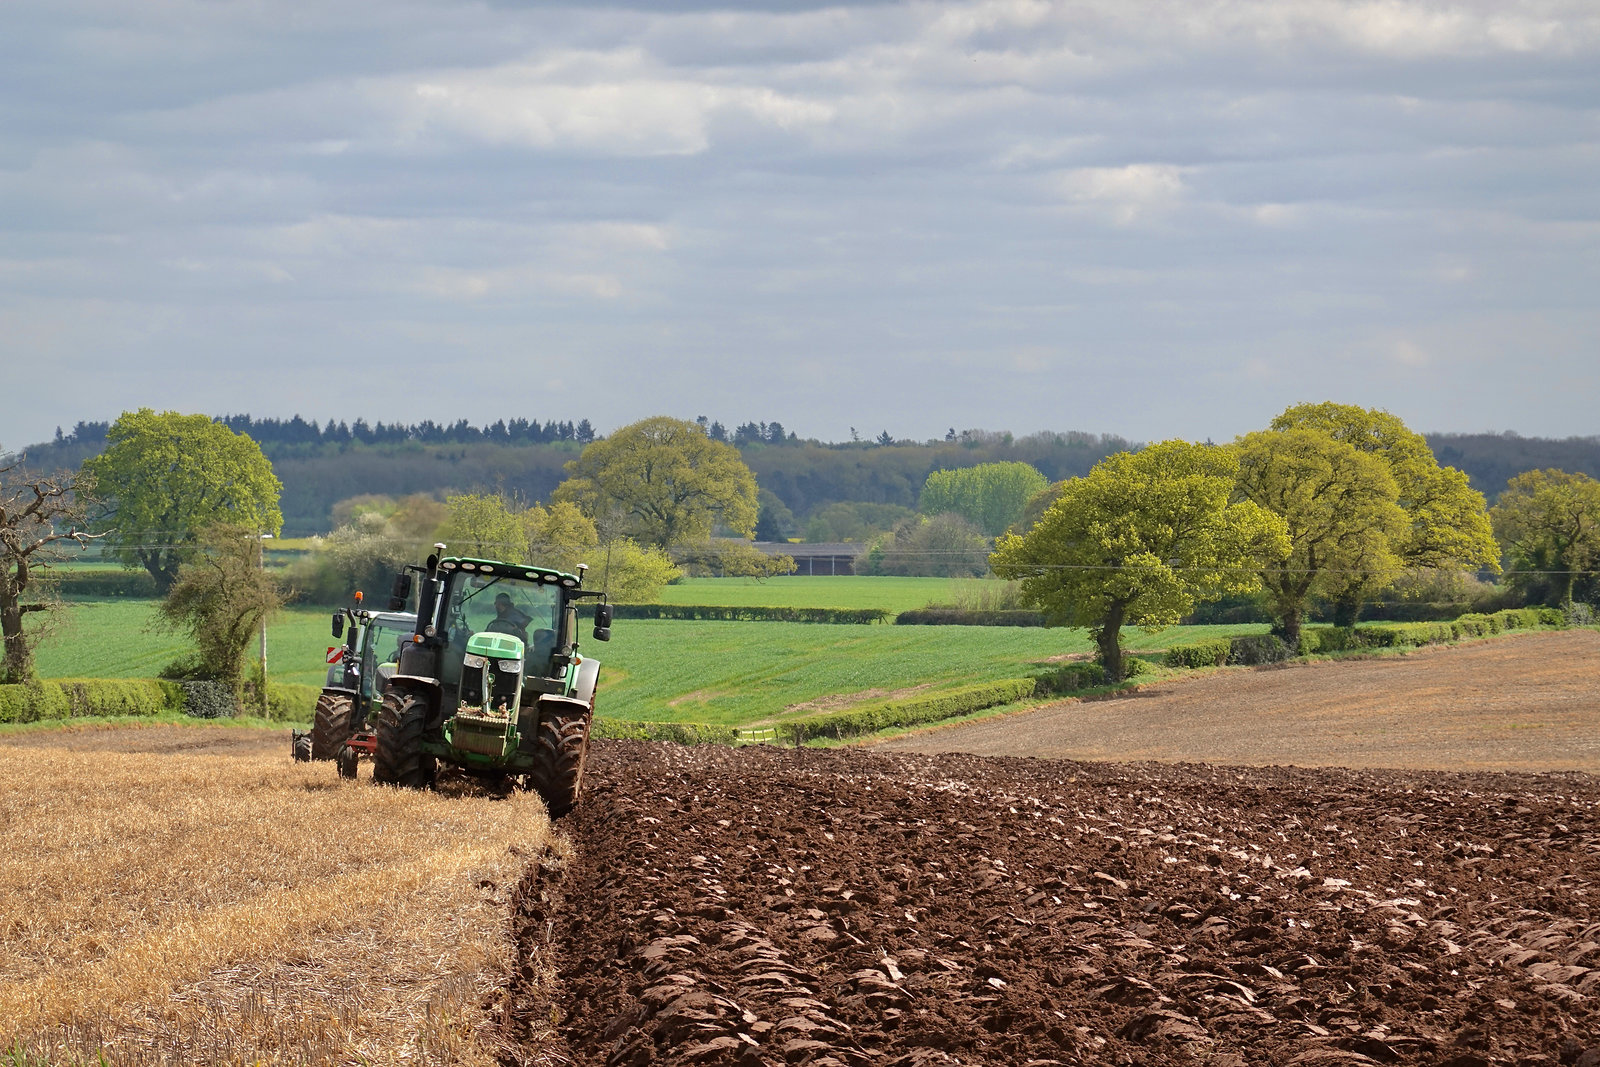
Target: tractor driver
{"x": 509, "y": 619}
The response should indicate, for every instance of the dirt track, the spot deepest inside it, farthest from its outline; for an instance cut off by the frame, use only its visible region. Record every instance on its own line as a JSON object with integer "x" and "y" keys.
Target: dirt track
{"x": 1528, "y": 702}
{"x": 770, "y": 906}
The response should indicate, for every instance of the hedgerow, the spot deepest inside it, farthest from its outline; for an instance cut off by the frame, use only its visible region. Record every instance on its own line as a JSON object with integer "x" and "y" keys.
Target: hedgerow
{"x": 723, "y": 613}
{"x": 966, "y": 617}
{"x": 77, "y": 698}
{"x": 1265, "y": 648}
{"x": 909, "y": 711}
{"x": 683, "y": 733}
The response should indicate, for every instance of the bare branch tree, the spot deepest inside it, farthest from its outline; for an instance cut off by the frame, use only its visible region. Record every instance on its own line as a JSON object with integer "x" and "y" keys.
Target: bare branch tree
{"x": 33, "y": 511}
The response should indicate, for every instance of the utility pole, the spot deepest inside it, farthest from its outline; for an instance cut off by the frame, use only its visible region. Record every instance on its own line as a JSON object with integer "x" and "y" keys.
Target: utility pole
{"x": 262, "y": 542}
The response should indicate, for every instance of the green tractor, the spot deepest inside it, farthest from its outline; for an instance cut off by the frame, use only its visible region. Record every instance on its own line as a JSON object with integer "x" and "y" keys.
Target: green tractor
{"x": 358, "y": 672}
{"x": 491, "y": 679}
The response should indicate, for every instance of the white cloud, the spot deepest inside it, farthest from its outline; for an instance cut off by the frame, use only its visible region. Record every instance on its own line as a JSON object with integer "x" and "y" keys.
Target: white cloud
{"x": 1128, "y": 193}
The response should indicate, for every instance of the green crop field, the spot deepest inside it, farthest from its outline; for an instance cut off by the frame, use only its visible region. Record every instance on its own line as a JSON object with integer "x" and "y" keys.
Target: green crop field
{"x": 659, "y": 670}
{"x": 750, "y": 672}
{"x": 822, "y": 591}
{"x": 118, "y": 639}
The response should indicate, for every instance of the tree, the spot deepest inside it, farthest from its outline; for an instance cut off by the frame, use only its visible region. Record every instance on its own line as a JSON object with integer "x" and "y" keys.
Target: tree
{"x": 944, "y": 546}
{"x": 991, "y": 496}
{"x": 221, "y": 599}
{"x": 167, "y": 477}
{"x": 1339, "y": 509}
{"x": 1549, "y": 523}
{"x": 726, "y": 557}
{"x": 484, "y": 526}
{"x": 774, "y": 520}
{"x": 1447, "y": 523}
{"x": 1141, "y": 539}
{"x": 37, "y": 514}
{"x": 669, "y": 481}
{"x": 559, "y": 536}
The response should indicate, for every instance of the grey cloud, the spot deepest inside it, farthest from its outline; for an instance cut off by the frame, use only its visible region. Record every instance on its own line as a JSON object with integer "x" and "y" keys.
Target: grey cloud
{"x": 1149, "y": 218}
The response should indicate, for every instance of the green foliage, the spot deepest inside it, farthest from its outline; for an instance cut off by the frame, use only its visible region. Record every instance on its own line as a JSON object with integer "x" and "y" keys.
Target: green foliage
{"x": 853, "y": 520}
{"x": 668, "y": 481}
{"x": 682, "y": 733}
{"x": 206, "y": 699}
{"x": 364, "y": 555}
{"x": 730, "y": 558}
{"x": 911, "y": 711}
{"x": 750, "y": 613}
{"x": 69, "y": 698}
{"x": 970, "y": 617}
{"x": 1213, "y": 653}
{"x": 1338, "y": 506}
{"x": 945, "y": 546}
{"x": 220, "y": 599}
{"x": 1446, "y": 524}
{"x": 1069, "y": 678}
{"x": 559, "y": 535}
{"x": 991, "y": 496}
{"x": 1249, "y": 651}
{"x": 1142, "y": 539}
{"x": 774, "y": 520}
{"x": 1548, "y": 521}
{"x": 80, "y": 585}
{"x": 166, "y": 478}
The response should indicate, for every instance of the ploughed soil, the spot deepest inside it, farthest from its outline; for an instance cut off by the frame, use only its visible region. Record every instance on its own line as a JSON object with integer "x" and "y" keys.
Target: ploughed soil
{"x": 1519, "y": 702}
{"x": 771, "y": 906}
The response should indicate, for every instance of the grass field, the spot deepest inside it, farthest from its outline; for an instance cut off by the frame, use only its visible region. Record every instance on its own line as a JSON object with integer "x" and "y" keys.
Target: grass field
{"x": 738, "y": 673}
{"x": 116, "y": 639}
{"x": 658, "y": 670}
{"x": 186, "y": 901}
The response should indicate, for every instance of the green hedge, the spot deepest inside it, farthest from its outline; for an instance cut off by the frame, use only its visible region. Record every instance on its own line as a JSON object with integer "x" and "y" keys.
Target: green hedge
{"x": 1265, "y": 648}
{"x": 73, "y": 698}
{"x": 136, "y": 585}
{"x": 1211, "y": 653}
{"x": 76, "y": 698}
{"x": 1069, "y": 678}
{"x": 962, "y": 617}
{"x": 720, "y": 613}
{"x": 910, "y": 711}
{"x": 683, "y": 733}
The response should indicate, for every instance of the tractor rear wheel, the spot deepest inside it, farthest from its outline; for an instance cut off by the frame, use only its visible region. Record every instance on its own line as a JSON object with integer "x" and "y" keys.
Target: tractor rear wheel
{"x": 331, "y": 727}
{"x": 562, "y": 744}
{"x": 399, "y": 759}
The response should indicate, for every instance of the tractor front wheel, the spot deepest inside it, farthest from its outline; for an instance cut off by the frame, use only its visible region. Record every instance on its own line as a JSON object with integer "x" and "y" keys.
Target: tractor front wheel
{"x": 399, "y": 759}
{"x": 562, "y": 745}
{"x": 331, "y": 727}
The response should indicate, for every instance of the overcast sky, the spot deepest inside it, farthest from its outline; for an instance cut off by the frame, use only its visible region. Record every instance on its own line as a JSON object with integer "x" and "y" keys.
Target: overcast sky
{"x": 1151, "y": 219}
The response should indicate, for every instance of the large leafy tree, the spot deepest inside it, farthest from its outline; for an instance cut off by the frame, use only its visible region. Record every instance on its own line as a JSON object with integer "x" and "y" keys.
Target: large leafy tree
{"x": 1447, "y": 522}
{"x": 1549, "y": 523}
{"x": 167, "y": 477}
{"x": 666, "y": 479}
{"x": 1339, "y": 509}
{"x": 38, "y": 515}
{"x": 991, "y": 496}
{"x": 222, "y": 597}
{"x": 1142, "y": 539}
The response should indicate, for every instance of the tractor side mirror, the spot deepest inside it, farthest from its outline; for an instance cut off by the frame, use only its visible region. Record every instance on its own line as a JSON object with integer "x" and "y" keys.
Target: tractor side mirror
{"x": 401, "y": 593}
{"x": 602, "y": 622}
{"x": 338, "y": 625}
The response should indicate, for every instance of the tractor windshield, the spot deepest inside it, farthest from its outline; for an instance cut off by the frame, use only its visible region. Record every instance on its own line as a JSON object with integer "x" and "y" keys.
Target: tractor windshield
{"x": 384, "y": 643}
{"x": 529, "y": 611}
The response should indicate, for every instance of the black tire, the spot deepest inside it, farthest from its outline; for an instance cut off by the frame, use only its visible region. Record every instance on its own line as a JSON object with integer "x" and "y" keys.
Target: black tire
{"x": 402, "y": 725}
{"x": 331, "y": 727}
{"x": 301, "y": 747}
{"x": 348, "y": 761}
{"x": 559, "y": 752}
